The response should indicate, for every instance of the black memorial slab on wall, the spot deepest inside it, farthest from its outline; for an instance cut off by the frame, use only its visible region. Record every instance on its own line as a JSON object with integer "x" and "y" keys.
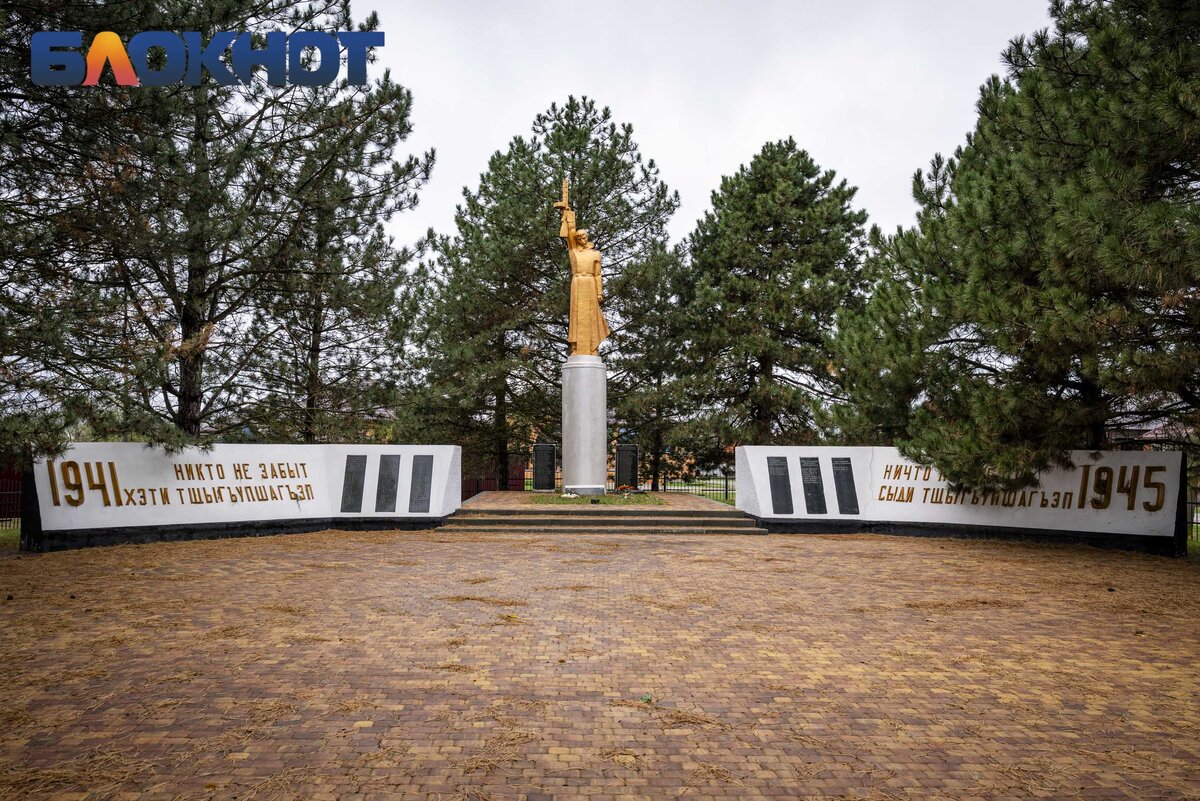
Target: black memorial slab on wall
{"x": 389, "y": 483}
{"x": 627, "y": 466}
{"x": 843, "y": 484}
{"x": 781, "y": 485}
{"x": 422, "y": 483}
{"x": 814, "y": 485}
{"x": 544, "y": 456}
{"x": 353, "y": 483}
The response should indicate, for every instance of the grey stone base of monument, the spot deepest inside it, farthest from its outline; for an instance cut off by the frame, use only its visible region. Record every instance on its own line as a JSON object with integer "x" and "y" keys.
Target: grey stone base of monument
{"x": 585, "y": 425}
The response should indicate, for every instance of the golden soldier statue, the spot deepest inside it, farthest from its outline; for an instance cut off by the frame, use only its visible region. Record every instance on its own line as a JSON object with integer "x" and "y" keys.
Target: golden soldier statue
{"x": 588, "y": 327}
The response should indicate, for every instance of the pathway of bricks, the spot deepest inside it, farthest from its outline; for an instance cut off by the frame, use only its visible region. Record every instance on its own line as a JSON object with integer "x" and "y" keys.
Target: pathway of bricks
{"x": 431, "y": 666}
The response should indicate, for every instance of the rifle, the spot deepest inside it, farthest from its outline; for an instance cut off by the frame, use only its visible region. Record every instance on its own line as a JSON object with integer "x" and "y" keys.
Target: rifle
{"x": 567, "y": 231}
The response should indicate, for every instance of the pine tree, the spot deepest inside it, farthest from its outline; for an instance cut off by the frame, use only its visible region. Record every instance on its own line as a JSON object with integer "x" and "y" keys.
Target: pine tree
{"x": 177, "y": 219}
{"x": 646, "y": 392}
{"x": 772, "y": 263}
{"x": 340, "y": 313}
{"x": 495, "y": 327}
{"x": 1057, "y": 272}
{"x": 53, "y": 142}
{"x": 887, "y": 350}
{"x": 219, "y": 197}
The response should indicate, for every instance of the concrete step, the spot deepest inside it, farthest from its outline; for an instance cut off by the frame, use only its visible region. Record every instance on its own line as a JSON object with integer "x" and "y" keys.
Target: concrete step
{"x": 607, "y": 511}
{"x": 597, "y": 520}
{"x": 600, "y": 519}
{"x": 600, "y": 530}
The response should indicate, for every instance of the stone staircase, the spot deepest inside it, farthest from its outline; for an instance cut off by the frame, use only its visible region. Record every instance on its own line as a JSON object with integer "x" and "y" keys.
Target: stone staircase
{"x": 599, "y": 520}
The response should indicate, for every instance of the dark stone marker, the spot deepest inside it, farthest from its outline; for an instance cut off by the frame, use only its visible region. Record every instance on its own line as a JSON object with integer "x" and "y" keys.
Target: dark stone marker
{"x": 543, "y": 466}
{"x": 843, "y": 483}
{"x": 814, "y": 485}
{"x": 389, "y": 483}
{"x": 422, "y": 484}
{"x": 781, "y": 485}
{"x": 352, "y": 484}
{"x": 627, "y": 464}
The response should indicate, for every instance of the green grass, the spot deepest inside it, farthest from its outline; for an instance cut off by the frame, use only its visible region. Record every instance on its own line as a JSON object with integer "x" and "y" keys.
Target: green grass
{"x": 10, "y": 538}
{"x": 643, "y": 499}
{"x": 717, "y": 495}
{"x": 647, "y": 499}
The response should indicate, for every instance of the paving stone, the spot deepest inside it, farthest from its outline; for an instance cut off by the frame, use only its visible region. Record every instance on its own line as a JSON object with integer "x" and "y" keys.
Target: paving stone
{"x": 376, "y": 665}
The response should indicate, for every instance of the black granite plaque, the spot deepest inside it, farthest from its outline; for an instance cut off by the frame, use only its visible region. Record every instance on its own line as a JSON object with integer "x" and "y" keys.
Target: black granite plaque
{"x": 422, "y": 484}
{"x": 389, "y": 482}
{"x": 627, "y": 466}
{"x": 781, "y": 485}
{"x": 843, "y": 484}
{"x": 543, "y": 466}
{"x": 814, "y": 485}
{"x": 352, "y": 484}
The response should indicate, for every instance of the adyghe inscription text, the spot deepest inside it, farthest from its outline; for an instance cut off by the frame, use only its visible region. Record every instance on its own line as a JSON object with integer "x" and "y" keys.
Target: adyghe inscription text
{"x": 1098, "y": 488}
{"x": 73, "y": 482}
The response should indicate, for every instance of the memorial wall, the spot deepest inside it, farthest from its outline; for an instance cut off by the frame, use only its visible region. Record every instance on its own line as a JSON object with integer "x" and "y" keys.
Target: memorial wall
{"x": 1120, "y": 498}
{"x": 103, "y": 493}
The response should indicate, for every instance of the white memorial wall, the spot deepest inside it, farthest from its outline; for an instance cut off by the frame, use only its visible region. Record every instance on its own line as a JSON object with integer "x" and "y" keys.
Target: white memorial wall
{"x": 1109, "y": 493}
{"x": 99, "y": 485}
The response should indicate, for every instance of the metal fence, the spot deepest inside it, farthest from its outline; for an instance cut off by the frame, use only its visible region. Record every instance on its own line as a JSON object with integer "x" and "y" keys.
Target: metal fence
{"x": 10, "y": 502}
{"x": 1193, "y": 516}
{"x": 719, "y": 487}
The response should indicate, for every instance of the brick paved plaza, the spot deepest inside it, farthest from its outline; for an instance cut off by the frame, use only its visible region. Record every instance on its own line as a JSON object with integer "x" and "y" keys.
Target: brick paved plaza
{"x": 428, "y": 665}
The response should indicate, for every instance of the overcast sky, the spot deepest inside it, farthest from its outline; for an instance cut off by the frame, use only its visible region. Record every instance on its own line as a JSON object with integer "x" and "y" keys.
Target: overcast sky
{"x": 871, "y": 88}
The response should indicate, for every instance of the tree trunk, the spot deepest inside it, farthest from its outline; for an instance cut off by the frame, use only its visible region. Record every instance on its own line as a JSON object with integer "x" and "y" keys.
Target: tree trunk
{"x": 193, "y": 324}
{"x": 191, "y": 377}
{"x": 500, "y": 433}
{"x": 312, "y": 366}
{"x": 761, "y": 407}
{"x": 655, "y": 459}
{"x": 1095, "y": 432}
{"x": 312, "y": 377}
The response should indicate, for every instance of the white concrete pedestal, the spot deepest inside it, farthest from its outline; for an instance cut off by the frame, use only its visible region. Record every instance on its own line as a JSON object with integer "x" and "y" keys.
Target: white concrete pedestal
{"x": 585, "y": 425}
